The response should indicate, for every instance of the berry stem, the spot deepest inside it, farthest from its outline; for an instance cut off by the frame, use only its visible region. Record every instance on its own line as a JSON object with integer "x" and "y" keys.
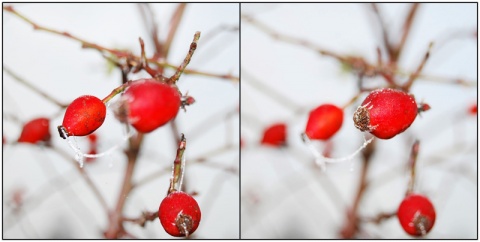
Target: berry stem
{"x": 116, "y": 91}
{"x": 178, "y": 167}
{"x": 144, "y": 61}
{"x": 412, "y": 162}
{"x": 186, "y": 61}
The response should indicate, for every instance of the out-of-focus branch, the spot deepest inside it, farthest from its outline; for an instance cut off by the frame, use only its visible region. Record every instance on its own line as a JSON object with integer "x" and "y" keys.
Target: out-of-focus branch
{"x": 174, "y": 23}
{"x": 407, "y": 26}
{"x": 129, "y": 57}
{"x": 289, "y": 39}
{"x": 143, "y": 219}
{"x": 386, "y": 41}
{"x": 33, "y": 88}
{"x": 379, "y": 218}
{"x": 415, "y": 74}
{"x": 412, "y": 164}
{"x": 278, "y": 97}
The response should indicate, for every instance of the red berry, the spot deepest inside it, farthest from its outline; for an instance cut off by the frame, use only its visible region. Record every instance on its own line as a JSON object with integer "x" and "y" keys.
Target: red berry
{"x": 36, "y": 130}
{"x": 386, "y": 112}
{"x": 324, "y": 122}
{"x": 179, "y": 214}
{"x": 149, "y": 104}
{"x": 416, "y": 215}
{"x": 275, "y": 135}
{"x": 83, "y": 116}
{"x": 473, "y": 109}
{"x": 92, "y": 138}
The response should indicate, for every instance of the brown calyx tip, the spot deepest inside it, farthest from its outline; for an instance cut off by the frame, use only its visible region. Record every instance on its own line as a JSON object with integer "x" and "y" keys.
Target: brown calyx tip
{"x": 184, "y": 224}
{"x": 422, "y": 225}
{"x": 62, "y": 131}
{"x": 361, "y": 119}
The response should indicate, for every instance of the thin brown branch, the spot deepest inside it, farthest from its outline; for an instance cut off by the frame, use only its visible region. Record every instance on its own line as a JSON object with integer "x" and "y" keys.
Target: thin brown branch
{"x": 209, "y": 122}
{"x": 350, "y": 228}
{"x": 148, "y": 17}
{"x": 174, "y": 23}
{"x": 186, "y": 61}
{"x": 381, "y": 217}
{"x": 412, "y": 164}
{"x": 33, "y": 88}
{"x": 85, "y": 43}
{"x": 415, "y": 74}
{"x": 407, "y": 26}
{"x": 270, "y": 92}
{"x": 288, "y": 39}
{"x": 143, "y": 219}
{"x": 176, "y": 180}
{"x": 386, "y": 41}
{"x": 85, "y": 177}
{"x": 132, "y": 60}
{"x": 115, "y": 227}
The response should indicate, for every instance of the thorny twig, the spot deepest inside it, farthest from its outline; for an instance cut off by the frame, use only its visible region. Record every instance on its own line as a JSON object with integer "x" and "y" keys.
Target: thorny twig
{"x": 412, "y": 165}
{"x": 130, "y": 59}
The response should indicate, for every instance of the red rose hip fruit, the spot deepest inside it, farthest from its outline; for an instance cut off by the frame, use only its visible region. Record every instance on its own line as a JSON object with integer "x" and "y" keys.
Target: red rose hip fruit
{"x": 179, "y": 214}
{"x": 275, "y": 135}
{"x": 83, "y": 116}
{"x": 416, "y": 215}
{"x": 36, "y": 130}
{"x": 324, "y": 122}
{"x": 386, "y": 112}
{"x": 149, "y": 104}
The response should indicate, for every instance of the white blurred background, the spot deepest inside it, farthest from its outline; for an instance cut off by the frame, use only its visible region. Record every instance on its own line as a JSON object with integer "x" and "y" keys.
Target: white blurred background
{"x": 283, "y": 194}
{"x": 56, "y": 201}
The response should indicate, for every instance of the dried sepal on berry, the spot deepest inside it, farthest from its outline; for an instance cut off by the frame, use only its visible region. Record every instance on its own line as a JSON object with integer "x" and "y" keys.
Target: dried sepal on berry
{"x": 179, "y": 214}
{"x": 416, "y": 215}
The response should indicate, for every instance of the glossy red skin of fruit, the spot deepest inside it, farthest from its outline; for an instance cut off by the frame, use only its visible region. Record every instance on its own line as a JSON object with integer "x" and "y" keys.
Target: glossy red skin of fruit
{"x": 275, "y": 135}
{"x": 473, "y": 109}
{"x": 414, "y": 212}
{"x": 150, "y": 104}
{"x": 386, "y": 112}
{"x": 324, "y": 121}
{"x": 36, "y": 130}
{"x": 175, "y": 205}
{"x": 84, "y": 115}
